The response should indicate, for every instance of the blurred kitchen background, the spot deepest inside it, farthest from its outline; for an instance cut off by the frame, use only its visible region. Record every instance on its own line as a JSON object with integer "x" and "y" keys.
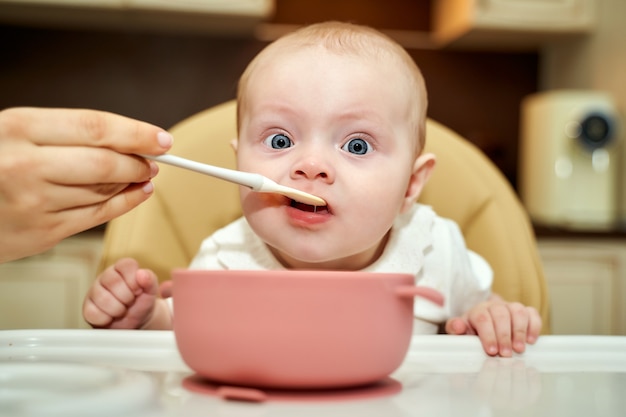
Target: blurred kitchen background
{"x": 537, "y": 85}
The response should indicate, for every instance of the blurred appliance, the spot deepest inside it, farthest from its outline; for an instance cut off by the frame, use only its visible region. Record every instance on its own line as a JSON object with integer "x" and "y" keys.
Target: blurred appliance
{"x": 570, "y": 159}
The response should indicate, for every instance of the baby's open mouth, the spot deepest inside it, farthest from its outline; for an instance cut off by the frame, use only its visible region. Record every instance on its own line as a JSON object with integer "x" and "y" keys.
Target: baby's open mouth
{"x": 308, "y": 207}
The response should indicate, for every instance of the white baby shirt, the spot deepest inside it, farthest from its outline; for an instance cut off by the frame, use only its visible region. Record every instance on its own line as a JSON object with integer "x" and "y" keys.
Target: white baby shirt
{"x": 421, "y": 243}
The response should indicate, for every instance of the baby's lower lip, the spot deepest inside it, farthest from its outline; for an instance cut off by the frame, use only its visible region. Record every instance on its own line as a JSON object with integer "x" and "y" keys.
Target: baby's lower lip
{"x": 304, "y": 215}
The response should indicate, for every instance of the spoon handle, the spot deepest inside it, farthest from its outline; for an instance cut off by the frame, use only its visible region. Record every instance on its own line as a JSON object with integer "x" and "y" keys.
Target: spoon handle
{"x": 254, "y": 181}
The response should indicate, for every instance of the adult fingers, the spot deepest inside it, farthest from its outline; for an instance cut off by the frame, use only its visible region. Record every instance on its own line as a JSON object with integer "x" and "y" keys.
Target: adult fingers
{"x": 70, "y": 221}
{"x": 55, "y": 198}
{"x": 71, "y": 165}
{"x": 119, "y": 204}
{"x": 45, "y": 126}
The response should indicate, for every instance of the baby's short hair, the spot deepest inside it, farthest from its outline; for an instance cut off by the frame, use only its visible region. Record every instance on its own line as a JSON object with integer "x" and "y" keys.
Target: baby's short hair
{"x": 358, "y": 40}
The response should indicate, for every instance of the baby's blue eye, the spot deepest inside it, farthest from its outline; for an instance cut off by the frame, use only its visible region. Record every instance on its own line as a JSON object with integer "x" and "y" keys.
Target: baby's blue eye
{"x": 278, "y": 141}
{"x": 357, "y": 146}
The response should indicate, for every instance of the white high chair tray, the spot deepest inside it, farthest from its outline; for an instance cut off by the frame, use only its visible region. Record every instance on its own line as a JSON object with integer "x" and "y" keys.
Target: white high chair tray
{"x": 114, "y": 372}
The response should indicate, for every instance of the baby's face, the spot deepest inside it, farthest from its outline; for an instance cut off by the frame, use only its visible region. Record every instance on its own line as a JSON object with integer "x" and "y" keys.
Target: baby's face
{"x": 338, "y": 127}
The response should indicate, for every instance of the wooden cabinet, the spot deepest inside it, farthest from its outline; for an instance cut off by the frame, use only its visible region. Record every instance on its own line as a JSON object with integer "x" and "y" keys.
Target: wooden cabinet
{"x": 232, "y": 17}
{"x": 46, "y": 291}
{"x": 587, "y": 282}
{"x": 509, "y": 24}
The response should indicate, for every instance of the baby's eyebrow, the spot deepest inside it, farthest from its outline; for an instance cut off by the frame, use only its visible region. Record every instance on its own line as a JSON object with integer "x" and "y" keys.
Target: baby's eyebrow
{"x": 272, "y": 107}
{"x": 359, "y": 114}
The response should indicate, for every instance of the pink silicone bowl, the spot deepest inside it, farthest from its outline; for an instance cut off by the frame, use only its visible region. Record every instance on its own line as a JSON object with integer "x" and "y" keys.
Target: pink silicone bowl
{"x": 294, "y": 329}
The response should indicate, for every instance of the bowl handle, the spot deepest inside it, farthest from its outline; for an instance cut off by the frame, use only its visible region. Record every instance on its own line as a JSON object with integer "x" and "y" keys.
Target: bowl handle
{"x": 410, "y": 291}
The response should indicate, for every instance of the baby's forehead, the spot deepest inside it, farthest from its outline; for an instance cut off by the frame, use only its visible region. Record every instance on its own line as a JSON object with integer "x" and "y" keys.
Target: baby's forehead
{"x": 389, "y": 65}
{"x": 300, "y": 50}
{"x": 366, "y": 68}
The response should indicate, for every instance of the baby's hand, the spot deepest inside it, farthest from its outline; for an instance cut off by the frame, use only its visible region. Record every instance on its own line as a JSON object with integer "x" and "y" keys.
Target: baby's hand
{"x": 503, "y": 328}
{"x": 122, "y": 297}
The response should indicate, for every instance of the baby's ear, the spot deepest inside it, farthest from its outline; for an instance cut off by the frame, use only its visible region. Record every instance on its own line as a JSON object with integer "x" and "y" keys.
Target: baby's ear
{"x": 422, "y": 168}
{"x": 234, "y": 143}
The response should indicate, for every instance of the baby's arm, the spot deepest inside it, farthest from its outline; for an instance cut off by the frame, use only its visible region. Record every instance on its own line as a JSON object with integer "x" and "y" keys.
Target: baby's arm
{"x": 126, "y": 297}
{"x": 503, "y": 327}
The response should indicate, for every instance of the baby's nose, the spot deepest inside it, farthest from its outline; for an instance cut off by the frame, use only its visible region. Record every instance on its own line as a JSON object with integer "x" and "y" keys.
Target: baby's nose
{"x": 313, "y": 168}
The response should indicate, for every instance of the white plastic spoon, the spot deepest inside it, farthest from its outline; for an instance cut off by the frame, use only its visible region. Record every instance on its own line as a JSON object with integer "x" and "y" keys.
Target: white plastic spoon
{"x": 256, "y": 182}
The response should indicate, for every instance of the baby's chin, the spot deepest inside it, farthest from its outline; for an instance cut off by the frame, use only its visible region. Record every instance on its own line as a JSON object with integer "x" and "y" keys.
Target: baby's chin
{"x": 312, "y": 259}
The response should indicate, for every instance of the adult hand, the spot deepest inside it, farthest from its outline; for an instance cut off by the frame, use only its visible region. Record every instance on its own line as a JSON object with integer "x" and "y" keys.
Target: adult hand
{"x": 63, "y": 171}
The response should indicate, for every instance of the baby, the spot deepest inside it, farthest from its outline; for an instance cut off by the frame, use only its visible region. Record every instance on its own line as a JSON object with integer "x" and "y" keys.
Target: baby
{"x": 336, "y": 110}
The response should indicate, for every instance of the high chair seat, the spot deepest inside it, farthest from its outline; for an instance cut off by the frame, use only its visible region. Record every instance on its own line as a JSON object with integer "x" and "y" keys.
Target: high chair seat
{"x": 166, "y": 231}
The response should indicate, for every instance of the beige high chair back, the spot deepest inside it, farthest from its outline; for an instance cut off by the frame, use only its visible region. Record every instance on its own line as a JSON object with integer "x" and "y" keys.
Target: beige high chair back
{"x": 166, "y": 231}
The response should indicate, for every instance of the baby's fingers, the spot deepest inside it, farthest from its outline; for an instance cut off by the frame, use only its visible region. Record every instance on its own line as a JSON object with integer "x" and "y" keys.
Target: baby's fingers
{"x": 101, "y": 307}
{"x": 503, "y": 324}
{"x": 166, "y": 289}
{"x": 147, "y": 282}
{"x": 94, "y": 316}
{"x": 519, "y": 323}
{"x": 534, "y": 325}
{"x": 120, "y": 282}
{"x": 458, "y": 326}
